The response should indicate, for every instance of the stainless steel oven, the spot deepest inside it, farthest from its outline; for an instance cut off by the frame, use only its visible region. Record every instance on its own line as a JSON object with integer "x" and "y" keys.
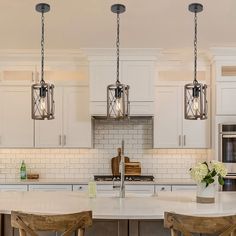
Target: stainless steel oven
{"x": 227, "y": 146}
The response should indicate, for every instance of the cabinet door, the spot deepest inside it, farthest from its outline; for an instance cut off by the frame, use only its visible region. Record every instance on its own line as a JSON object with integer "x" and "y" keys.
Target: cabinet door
{"x": 225, "y": 98}
{"x": 196, "y": 133}
{"x": 50, "y": 187}
{"x": 168, "y": 117}
{"x": 13, "y": 187}
{"x": 48, "y": 133}
{"x": 77, "y": 121}
{"x": 80, "y": 187}
{"x": 16, "y": 125}
{"x": 183, "y": 187}
{"x": 139, "y": 75}
{"x": 101, "y": 75}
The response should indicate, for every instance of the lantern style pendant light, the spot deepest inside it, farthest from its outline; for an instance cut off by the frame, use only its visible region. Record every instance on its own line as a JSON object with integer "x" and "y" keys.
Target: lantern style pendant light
{"x": 195, "y": 96}
{"x": 118, "y": 94}
{"x": 42, "y": 93}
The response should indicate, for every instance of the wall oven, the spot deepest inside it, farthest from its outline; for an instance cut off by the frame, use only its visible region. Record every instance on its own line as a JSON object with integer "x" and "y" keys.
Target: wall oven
{"x": 227, "y": 154}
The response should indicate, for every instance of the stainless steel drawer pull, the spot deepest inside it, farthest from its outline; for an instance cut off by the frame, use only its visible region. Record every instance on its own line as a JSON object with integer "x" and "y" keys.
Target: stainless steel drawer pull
{"x": 64, "y": 139}
{"x": 59, "y": 140}
{"x": 184, "y": 140}
{"x": 179, "y": 140}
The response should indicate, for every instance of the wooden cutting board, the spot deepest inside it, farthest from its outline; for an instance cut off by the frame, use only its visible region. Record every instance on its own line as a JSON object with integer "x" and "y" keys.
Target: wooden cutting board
{"x": 133, "y": 168}
{"x": 115, "y": 163}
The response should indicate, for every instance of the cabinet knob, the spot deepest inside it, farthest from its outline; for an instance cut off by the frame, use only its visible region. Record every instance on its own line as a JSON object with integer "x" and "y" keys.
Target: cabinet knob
{"x": 163, "y": 188}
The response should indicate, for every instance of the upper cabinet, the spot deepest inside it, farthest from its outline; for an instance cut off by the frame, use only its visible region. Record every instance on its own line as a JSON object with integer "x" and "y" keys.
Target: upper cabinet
{"x": 16, "y": 125}
{"x": 137, "y": 72}
{"x": 72, "y": 124}
{"x": 171, "y": 130}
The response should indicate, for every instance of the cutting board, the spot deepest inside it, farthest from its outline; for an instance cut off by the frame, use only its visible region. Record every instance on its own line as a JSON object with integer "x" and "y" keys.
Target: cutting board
{"x": 115, "y": 163}
{"x": 133, "y": 168}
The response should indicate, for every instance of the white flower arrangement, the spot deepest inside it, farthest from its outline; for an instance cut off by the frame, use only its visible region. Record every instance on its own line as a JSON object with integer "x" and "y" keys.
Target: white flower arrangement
{"x": 207, "y": 173}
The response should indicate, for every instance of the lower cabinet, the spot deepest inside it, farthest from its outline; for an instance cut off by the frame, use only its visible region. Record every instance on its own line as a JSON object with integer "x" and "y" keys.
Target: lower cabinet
{"x": 80, "y": 187}
{"x": 162, "y": 188}
{"x": 13, "y": 187}
{"x": 50, "y": 187}
{"x": 183, "y": 187}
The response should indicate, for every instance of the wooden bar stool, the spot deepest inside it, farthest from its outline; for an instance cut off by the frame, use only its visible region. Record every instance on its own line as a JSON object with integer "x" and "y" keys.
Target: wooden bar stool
{"x": 221, "y": 226}
{"x": 67, "y": 224}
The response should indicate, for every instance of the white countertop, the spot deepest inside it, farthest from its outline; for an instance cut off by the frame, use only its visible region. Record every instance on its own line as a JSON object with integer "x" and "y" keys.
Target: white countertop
{"x": 116, "y": 208}
{"x": 85, "y": 181}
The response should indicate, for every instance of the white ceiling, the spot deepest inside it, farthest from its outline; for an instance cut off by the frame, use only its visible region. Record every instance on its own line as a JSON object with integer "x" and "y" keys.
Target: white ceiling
{"x": 74, "y": 24}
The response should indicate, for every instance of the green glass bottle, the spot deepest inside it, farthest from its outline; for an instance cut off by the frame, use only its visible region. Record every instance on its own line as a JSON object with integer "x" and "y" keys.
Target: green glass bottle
{"x": 23, "y": 170}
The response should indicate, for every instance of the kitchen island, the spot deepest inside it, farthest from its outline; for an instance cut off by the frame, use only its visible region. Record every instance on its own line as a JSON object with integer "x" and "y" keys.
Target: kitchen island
{"x": 133, "y": 215}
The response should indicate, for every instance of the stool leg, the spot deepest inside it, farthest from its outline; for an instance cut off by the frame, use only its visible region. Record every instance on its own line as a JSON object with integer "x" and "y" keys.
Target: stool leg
{"x": 81, "y": 232}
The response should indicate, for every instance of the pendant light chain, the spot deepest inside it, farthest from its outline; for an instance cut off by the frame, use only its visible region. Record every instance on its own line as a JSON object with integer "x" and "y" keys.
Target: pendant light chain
{"x": 195, "y": 49}
{"x": 42, "y": 51}
{"x": 118, "y": 49}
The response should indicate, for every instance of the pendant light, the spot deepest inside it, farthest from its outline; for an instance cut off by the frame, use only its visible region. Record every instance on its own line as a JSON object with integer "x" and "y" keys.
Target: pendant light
{"x": 195, "y": 97}
{"x": 42, "y": 92}
{"x": 118, "y": 94}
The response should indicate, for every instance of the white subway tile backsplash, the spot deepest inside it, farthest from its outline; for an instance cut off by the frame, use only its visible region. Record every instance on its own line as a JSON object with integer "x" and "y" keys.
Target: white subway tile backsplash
{"x": 84, "y": 163}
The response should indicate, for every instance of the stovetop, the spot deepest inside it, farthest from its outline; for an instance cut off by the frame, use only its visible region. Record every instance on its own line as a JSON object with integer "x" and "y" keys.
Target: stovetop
{"x": 127, "y": 178}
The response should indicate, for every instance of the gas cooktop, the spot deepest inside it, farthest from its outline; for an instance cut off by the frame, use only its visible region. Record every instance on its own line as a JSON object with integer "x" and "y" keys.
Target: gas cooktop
{"x": 127, "y": 178}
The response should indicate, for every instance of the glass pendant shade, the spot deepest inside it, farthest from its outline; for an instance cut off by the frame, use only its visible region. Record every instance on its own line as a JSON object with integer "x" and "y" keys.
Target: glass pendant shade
{"x": 42, "y": 101}
{"x": 195, "y": 98}
{"x": 42, "y": 93}
{"x": 117, "y": 101}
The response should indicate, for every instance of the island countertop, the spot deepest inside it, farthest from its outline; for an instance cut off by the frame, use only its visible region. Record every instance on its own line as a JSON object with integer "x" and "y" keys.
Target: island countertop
{"x": 116, "y": 208}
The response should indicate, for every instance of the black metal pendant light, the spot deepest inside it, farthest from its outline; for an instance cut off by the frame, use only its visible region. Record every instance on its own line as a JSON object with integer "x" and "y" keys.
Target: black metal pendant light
{"x": 42, "y": 92}
{"x": 195, "y": 96}
{"x": 118, "y": 94}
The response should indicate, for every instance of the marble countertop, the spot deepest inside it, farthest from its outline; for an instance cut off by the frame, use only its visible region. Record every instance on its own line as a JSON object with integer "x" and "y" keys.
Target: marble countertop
{"x": 131, "y": 207}
{"x": 85, "y": 181}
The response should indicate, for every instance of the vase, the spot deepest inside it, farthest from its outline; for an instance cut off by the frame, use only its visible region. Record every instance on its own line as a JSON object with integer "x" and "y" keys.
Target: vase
{"x": 205, "y": 194}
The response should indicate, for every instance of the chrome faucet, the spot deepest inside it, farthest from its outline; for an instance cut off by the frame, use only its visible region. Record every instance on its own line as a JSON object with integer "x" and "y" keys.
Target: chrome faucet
{"x": 122, "y": 171}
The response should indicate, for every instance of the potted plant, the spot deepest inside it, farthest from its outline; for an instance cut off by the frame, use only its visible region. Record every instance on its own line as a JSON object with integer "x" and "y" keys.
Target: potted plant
{"x": 205, "y": 175}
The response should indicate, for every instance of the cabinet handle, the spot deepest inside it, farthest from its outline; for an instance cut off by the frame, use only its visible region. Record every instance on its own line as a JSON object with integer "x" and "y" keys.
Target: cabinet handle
{"x": 179, "y": 140}
{"x": 59, "y": 140}
{"x": 163, "y": 189}
{"x": 64, "y": 140}
{"x": 184, "y": 140}
{"x": 32, "y": 76}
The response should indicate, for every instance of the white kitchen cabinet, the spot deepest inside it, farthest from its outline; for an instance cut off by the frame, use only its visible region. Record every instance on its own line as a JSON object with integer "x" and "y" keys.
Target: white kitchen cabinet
{"x": 225, "y": 98}
{"x": 171, "y": 130}
{"x": 48, "y": 133}
{"x": 50, "y": 187}
{"x": 13, "y": 187}
{"x": 162, "y": 188}
{"x": 72, "y": 124}
{"x": 184, "y": 187}
{"x": 138, "y": 74}
{"x": 16, "y": 125}
{"x": 80, "y": 187}
{"x": 18, "y": 75}
{"x": 140, "y": 188}
{"x": 77, "y": 128}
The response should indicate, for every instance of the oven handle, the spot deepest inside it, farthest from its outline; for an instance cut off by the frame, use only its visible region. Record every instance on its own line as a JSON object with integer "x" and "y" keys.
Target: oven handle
{"x": 228, "y": 135}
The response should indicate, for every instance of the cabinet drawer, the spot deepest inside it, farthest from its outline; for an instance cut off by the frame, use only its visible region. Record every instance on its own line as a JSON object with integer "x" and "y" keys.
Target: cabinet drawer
{"x": 105, "y": 187}
{"x": 50, "y": 187}
{"x": 13, "y": 187}
{"x": 80, "y": 187}
{"x": 183, "y": 187}
{"x": 139, "y": 188}
{"x": 162, "y": 188}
